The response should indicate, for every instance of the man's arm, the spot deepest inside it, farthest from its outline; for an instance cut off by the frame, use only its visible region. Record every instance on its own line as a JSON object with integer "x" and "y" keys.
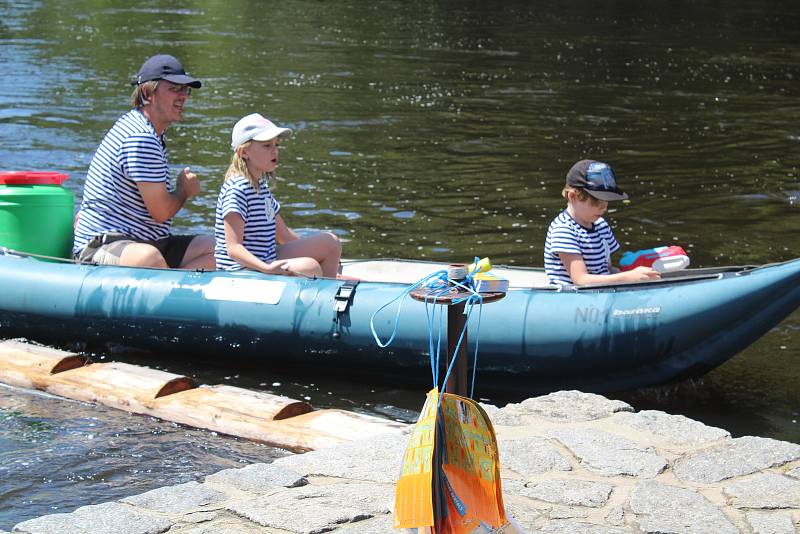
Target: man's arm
{"x": 163, "y": 204}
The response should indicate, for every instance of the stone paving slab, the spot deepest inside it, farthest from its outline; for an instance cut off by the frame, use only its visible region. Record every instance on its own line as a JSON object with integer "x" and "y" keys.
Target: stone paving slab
{"x": 560, "y": 406}
{"x": 674, "y": 429}
{"x": 610, "y": 454}
{"x": 573, "y": 527}
{"x": 313, "y": 509}
{"x": 661, "y": 508}
{"x": 739, "y": 457}
{"x": 258, "y": 478}
{"x": 108, "y": 518}
{"x": 176, "y": 499}
{"x": 531, "y": 456}
{"x": 771, "y": 523}
{"x": 607, "y": 470}
{"x": 360, "y": 460}
{"x": 569, "y": 492}
{"x": 764, "y": 490}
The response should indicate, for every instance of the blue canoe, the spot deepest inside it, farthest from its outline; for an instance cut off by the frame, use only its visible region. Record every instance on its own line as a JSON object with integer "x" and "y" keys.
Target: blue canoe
{"x": 538, "y": 338}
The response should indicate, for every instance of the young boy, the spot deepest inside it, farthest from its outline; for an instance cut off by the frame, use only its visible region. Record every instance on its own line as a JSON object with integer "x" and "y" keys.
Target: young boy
{"x": 579, "y": 241}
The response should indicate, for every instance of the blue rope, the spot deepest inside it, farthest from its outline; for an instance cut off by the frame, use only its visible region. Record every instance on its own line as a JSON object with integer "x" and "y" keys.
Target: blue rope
{"x": 400, "y": 297}
{"x": 438, "y": 284}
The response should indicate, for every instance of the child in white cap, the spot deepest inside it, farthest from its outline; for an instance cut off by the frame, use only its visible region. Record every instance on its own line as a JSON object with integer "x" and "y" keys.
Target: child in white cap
{"x": 249, "y": 232}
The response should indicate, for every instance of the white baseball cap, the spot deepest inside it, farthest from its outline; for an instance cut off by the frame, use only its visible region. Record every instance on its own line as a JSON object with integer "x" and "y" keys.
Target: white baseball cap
{"x": 255, "y": 127}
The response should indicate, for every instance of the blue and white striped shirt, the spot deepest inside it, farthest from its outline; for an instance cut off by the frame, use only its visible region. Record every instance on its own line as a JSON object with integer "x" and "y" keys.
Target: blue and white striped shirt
{"x": 595, "y": 245}
{"x": 258, "y": 209}
{"x": 130, "y": 152}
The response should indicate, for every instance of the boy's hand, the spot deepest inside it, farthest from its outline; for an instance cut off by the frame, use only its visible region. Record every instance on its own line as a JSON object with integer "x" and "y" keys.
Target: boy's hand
{"x": 641, "y": 273}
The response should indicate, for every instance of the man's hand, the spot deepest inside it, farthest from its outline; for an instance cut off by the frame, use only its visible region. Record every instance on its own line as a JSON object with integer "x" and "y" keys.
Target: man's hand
{"x": 187, "y": 183}
{"x": 162, "y": 203}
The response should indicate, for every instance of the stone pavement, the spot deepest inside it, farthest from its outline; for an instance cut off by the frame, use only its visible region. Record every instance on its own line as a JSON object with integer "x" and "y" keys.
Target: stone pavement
{"x": 571, "y": 463}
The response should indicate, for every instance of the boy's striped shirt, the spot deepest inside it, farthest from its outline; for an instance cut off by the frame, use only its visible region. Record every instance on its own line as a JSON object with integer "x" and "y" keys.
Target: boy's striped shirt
{"x": 595, "y": 245}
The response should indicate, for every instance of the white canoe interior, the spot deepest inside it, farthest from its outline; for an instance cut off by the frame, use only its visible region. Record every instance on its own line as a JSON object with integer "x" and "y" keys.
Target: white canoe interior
{"x": 408, "y": 272}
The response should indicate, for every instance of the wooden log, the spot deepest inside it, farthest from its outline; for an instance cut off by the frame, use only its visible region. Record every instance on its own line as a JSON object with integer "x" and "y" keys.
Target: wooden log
{"x": 221, "y": 404}
{"x": 31, "y": 366}
{"x": 309, "y": 431}
{"x": 119, "y": 385}
{"x": 324, "y": 428}
{"x": 272, "y": 419}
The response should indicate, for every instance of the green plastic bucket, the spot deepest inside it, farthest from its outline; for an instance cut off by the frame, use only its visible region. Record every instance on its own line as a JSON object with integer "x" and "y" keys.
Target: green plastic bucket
{"x": 36, "y": 213}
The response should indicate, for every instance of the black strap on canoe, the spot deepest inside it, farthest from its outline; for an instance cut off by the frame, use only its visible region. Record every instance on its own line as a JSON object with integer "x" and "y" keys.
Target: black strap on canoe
{"x": 342, "y": 300}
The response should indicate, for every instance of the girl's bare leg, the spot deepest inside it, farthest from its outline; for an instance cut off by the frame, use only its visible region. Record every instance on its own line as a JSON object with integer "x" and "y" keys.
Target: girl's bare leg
{"x": 324, "y": 247}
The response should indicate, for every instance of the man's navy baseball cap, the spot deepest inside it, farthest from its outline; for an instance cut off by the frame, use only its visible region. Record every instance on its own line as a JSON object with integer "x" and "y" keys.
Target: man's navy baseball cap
{"x": 165, "y": 67}
{"x": 597, "y": 179}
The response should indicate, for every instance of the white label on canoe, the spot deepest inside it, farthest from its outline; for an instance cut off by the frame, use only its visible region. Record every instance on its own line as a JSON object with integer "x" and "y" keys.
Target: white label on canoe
{"x": 652, "y": 310}
{"x": 263, "y": 291}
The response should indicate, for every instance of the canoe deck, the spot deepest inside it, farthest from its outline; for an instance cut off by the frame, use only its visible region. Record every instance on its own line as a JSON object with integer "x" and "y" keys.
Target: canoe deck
{"x": 408, "y": 272}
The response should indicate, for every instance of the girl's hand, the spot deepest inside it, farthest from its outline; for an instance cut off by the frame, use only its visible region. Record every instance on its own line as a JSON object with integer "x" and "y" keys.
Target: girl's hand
{"x": 279, "y": 267}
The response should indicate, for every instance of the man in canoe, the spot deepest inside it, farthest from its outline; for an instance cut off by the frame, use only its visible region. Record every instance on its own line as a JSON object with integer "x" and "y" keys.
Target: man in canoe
{"x": 128, "y": 200}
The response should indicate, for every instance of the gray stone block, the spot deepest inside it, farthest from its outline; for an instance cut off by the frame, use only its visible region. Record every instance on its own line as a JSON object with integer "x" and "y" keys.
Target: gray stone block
{"x": 739, "y": 457}
{"x": 377, "y": 525}
{"x": 566, "y": 512}
{"x": 765, "y": 490}
{"x": 512, "y": 486}
{"x": 570, "y": 492}
{"x": 258, "y": 478}
{"x": 794, "y": 472}
{"x": 664, "y": 509}
{"x": 176, "y": 499}
{"x": 771, "y": 523}
{"x": 616, "y": 516}
{"x": 574, "y": 527}
{"x": 531, "y": 456}
{"x": 526, "y": 515}
{"x": 560, "y": 406}
{"x": 199, "y": 517}
{"x": 230, "y": 524}
{"x": 312, "y": 509}
{"x": 108, "y": 518}
{"x": 610, "y": 454}
{"x": 676, "y": 429}
{"x": 377, "y": 459}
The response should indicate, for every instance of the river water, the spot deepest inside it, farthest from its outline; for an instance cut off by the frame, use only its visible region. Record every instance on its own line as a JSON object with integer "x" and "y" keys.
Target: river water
{"x": 440, "y": 130}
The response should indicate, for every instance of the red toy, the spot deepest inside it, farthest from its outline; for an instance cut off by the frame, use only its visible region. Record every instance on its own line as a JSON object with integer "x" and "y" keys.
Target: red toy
{"x": 661, "y": 259}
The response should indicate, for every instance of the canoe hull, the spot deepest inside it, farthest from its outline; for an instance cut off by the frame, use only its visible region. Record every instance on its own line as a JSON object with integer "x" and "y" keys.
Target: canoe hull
{"x": 533, "y": 340}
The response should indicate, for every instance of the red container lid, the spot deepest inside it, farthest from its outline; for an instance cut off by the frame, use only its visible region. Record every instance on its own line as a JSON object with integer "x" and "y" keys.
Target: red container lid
{"x": 32, "y": 178}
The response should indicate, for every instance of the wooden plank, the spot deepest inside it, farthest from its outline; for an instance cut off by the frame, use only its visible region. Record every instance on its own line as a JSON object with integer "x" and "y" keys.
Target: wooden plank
{"x": 31, "y": 366}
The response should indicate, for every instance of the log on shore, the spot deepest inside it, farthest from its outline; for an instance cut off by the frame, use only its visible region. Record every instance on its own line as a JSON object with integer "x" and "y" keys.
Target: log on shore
{"x": 260, "y": 416}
